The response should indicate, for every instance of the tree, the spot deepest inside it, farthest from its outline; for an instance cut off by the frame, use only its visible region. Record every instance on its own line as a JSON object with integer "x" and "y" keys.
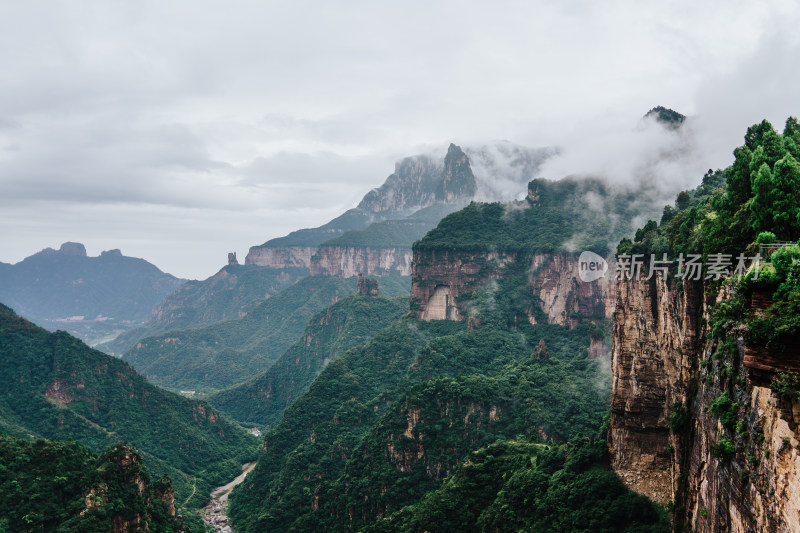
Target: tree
{"x": 761, "y": 206}
{"x": 755, "y": 134}
{"x": 786, "y": 198}
{"x": 682, "y": 201}
{"x": 739, "y": 183}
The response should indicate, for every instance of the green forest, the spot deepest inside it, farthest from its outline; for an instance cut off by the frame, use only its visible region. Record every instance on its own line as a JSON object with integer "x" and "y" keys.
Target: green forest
{"x": 61, "y": 486}
{"x": 343, "y": 456}
{"x": 217, "y": 356}
{"x": 744, "y": 210}
{"x": 224, "y": 296}
{"x": 56, "y": 387}
{"x": 349, "y": 322}
{"x": 587, "y": 212}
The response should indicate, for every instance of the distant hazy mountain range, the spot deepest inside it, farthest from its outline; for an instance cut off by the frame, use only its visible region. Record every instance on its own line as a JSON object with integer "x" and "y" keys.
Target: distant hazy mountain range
{"x": 90, "y": 297}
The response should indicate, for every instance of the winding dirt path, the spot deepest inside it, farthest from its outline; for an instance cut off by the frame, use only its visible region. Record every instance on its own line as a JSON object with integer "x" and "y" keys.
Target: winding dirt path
{"x": 194, "y": 489}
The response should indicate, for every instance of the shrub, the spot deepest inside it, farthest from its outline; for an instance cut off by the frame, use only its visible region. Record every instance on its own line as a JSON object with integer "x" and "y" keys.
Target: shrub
{"x": 723, "y": 450}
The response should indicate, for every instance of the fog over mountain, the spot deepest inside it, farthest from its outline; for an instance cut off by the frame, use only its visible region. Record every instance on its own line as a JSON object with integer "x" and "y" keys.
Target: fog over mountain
{"x": 178, "y": 133}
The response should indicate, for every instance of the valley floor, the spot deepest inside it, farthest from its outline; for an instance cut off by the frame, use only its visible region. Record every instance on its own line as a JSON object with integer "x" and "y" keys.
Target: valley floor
{"x": 214, "y": 514}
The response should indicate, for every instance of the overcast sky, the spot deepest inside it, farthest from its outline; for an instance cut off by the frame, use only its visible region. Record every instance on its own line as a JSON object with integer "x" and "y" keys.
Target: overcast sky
{"x": 179, "y": 131}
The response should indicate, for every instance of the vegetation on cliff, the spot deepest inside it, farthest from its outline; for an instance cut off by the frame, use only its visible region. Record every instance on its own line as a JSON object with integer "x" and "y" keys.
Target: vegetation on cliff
{"x": 744, "y": 210}
{"x": 62, "y": 486}
{"x": 518, "y": 485}
{"x": 56, "y": 387}
{"x": 587, "y": 213}
{"x": 386, "y": 422}
{"x": 750, "y": 209}
{"x": 399, "y": 233}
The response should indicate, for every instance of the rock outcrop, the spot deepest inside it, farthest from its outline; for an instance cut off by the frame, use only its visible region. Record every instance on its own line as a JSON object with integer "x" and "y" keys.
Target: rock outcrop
{"x": 367, "y": 286}
{"x": 668, "y": 439}
{"x": 122, "y": 479}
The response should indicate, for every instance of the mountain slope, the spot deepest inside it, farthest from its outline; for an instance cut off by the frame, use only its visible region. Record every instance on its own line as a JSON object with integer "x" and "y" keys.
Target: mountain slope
{"x": 55, "y": 386}
{"x": 347, "y": 323}
{"x": 226, "y": 295}
{"x": 227, "y": 353}
{"x": 99, "y": 295}
{"x": 518, "y": 485}
{"x": 61, "y": 486}
{"x": 348, "y": 448}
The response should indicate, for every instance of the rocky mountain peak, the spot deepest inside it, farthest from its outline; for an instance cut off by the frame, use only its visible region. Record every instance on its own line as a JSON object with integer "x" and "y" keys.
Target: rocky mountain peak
{"x": 458, "y": 181}
{"x": 73, "y": 248}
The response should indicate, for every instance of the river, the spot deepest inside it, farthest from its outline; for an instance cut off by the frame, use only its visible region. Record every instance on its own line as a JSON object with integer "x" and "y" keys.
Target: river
{"x": 214, "y": 514}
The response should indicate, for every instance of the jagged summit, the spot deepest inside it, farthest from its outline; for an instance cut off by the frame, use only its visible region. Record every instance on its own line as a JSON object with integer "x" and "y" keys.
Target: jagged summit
{"x": 492, "y": 172}
{"x": 73, "y": 248}
{"x": 458, "y": 181}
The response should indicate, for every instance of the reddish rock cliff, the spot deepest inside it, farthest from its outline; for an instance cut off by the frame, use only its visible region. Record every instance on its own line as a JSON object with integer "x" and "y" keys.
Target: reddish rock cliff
{"x": 443, "y": 280}
{"x": 348, "y": 261}
{"x": 668, "y": 439}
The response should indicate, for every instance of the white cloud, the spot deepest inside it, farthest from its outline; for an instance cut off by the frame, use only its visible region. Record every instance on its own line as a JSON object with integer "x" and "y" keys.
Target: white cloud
{"x": 252, "y": 118}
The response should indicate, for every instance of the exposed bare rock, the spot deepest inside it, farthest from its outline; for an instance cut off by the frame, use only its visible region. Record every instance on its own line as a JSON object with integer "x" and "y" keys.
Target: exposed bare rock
{"x": 659, "y": 339}
{"x": 655, "y": 331}
{"x": 349, "y": 261}
{"x": 280, "y": 257}
{"x": 441, "y": 278}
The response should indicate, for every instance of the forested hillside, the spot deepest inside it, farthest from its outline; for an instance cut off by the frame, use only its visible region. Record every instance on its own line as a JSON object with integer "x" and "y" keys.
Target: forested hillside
{"x": 226, "y": 295}
{"x": 62, "y": 486}
{"x": 518, "y": 485}
{"x": 387, "y": 422}
{"x": 349, "y": 322}
{"x": 56, "y": 387}
{"x": 221, "y": 355}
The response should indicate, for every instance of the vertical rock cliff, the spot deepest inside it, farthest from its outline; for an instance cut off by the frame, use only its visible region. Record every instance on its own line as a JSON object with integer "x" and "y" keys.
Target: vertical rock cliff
{"x": 280, "y": 257}
{"x": 348, "y": 261}
{"x": 443, "y": 283}
{"x": 695, "y": 425}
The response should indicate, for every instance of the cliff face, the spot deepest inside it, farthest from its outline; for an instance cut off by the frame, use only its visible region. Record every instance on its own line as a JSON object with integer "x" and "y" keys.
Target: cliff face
{"x": 442, "y": 282}
{"x": 348, "y": 261}
{"x": 671, "y": 381}
{"x": 441, "y": 278}
{"x": 654, "y": 338}
{"x": 280, "y": 257}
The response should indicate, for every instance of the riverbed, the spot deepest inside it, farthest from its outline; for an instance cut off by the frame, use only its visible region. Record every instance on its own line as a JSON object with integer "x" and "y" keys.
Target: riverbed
{"x": 215, "y": 513}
